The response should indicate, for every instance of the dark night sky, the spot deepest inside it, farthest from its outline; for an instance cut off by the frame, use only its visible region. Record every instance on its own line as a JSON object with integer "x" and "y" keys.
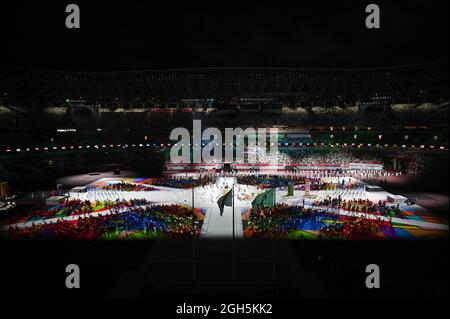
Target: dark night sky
{"x": 129, "y": 35}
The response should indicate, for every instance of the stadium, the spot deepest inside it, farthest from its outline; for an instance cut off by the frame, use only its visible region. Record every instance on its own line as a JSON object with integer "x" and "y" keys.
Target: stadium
{"x": 359, "y": 154}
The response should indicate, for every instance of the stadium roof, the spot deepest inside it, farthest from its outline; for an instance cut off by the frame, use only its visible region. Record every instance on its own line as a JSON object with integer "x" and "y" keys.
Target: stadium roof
{"x": 417, "y": 83}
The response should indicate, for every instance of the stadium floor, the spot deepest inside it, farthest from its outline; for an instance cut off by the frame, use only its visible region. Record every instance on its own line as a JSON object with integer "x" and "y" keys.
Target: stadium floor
{"x": 417, "y": 222}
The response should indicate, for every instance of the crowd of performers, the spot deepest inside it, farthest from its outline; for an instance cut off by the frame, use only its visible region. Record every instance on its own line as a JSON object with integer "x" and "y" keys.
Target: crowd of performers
{"x": 361, "y": 206}
{"x": 74, "y": 207}
{"x": 127, "y": 187}
{"x": 324, "y": 220}
{"x": 366, "y": 175}
{"x": 136, "y": 220}
{"x": 182, "y": 182}
{"x": 146, "y": 185}
{"x": 316, "y": 183}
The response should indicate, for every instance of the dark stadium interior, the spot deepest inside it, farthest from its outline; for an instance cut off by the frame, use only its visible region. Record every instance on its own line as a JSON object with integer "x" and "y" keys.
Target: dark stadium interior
{"x": 101, "y": 102}
{"x": 125, "y": 117}
{"x": 160, "y": 35}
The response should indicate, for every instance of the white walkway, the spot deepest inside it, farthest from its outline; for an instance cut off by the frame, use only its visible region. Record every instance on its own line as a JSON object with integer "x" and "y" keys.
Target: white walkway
{"x": 216, "y": 226}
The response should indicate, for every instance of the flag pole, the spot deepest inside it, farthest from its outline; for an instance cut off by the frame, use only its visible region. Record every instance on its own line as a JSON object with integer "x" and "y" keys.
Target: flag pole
{"x": 234, "y": 252}
{"x": 275, "y": 197}
{"x": 193, "y": 233}
{"x": 232, "y": 194}
{"x": 273, "y": 238}
{"x": 193, "y": 208}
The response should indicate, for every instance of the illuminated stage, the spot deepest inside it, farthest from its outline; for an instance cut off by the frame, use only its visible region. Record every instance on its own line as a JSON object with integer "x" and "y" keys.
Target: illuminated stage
{"x": 162, "y": 208}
